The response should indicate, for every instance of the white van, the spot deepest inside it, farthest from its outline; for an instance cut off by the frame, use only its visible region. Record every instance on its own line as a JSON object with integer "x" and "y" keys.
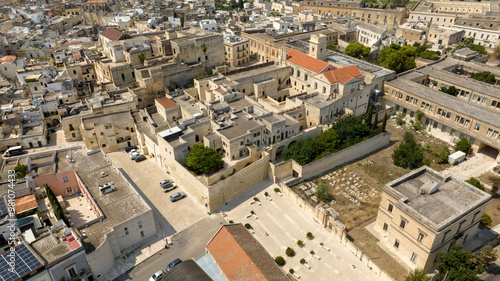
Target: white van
{"x": 15, "y": 150}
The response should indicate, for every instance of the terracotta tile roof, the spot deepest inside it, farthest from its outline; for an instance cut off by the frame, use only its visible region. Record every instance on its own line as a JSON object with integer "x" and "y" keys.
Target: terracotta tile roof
{"x": 308, "y": 62}
{"x": 111, "y": 34}
{"x": 241, "y": 257}
{"x": 25, "y": 203}
{"x": 7, "y": 59}
{"x": 342, "y": 75}
{"x": 166, "y": 102}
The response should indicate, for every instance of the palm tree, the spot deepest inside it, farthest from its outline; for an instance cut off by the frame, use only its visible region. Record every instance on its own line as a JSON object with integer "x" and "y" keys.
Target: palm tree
{"x": 204, "y": 50}
{"x": 141, "y": 57}
{"x": 417, "y": 275}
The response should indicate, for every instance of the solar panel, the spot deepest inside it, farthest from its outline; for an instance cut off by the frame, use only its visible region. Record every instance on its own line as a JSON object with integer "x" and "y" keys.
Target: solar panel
{"x": 25, "y": 262}
{"x": 3, "y": 207}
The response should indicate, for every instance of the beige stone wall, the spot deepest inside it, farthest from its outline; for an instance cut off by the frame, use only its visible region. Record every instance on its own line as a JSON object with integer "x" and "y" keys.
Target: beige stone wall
{"x": 224, "y": 190}
{"x": 347, "y": 155}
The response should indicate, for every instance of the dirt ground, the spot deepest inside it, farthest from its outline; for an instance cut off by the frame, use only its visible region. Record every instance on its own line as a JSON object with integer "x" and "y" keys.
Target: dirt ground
{"x": 356, "y": 189}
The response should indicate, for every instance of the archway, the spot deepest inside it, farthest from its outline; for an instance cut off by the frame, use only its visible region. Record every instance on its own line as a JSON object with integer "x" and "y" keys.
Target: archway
{"x": 280, "y": 151}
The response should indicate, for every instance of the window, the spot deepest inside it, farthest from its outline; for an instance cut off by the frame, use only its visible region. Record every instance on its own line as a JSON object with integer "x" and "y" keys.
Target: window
{"x": 490, "y": 131}
{"x": 140, "y": 224}
{"x": 414, "y": 257}
{"x": 420, "y": 237}
{"x": 126, "y": 231}
{"x": 402, "y": 224}
{"x": 385, "y": 227}
{"x": 142, "y": 234}
{"x": 65, "y": 179}
{"x": 396, "y": 244}
{"x": 452, "y": 132}
{"x": 477, "y": 126}
{"x": 390, "y": 208}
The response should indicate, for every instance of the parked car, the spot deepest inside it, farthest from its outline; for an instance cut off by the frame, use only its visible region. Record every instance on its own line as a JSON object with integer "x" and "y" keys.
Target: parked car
{"x": 134, "y": 150}
{"x": 157, "y": 276}
{"x": 165, "y": 182}
{"x": 177, "y": 196}
{"x": 140, "y": 158}
{"x": 172, "y": 264}
{"x": 134, "y": 155}
{"x": 128, "y": 149}
{"x": 168, "y": 187}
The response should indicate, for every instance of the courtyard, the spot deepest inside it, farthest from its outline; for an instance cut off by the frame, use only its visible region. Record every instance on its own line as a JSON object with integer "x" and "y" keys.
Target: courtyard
{"x": 279, "y": 223}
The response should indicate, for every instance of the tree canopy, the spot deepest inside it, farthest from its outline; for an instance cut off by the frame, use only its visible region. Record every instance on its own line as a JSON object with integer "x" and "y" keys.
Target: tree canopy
{"x": 333, "y": 48}
{"x": 464, "y": 146}
{"x": 345, "y": 132}
{"x": 203, "y": 160}
{"x": 450, "y": 90}
{"x": 399, "y": 58}
{"x": 430, "y": 55}
{"x": 357, "y": 50}
{"x": 478, "y": 48}
{"x": 21, "y": 170}
{"x": 485, "y": 76}
{"x": 459, "y": 265}
{"x": 409, "y": 153}
{"x": 417, "y": 274}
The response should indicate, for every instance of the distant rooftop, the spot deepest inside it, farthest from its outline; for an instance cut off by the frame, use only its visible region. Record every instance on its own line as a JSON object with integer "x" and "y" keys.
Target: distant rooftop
{"x": 166, "y": 102}
{"x": 435, "y": 199}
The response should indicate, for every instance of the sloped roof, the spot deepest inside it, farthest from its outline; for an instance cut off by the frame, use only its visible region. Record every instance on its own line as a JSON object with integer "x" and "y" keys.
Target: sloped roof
{"x": 308, "y": 62}
{"x": 342, "y": 75}
{"x": 111, "y": 34}
{"x": 241, "y": 257}
{"x": 166, "y": 102}
{"x": 25, "y": 203}
{"x": 7, "y": 59}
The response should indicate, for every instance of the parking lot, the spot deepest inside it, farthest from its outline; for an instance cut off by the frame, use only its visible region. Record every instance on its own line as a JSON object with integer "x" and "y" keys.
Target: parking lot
{"x": 172, "y": 217}
{"x": 279, "y": 223}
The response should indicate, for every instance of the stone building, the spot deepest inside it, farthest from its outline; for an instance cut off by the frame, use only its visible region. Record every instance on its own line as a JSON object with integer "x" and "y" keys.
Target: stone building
{"x": 425, "y": 213}
{"x": 236, "y": 50}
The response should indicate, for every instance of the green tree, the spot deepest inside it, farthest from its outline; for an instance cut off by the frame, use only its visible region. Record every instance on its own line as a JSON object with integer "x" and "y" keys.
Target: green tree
{"x": 369, "y": 114}
{"x": 322, "y": 193}
{"x": 357, "y": 50}
{"x": 475, "y": 182}
{"x": 182, "y": 21}
{"x": 459, "y": 265}
{"x": 430, "y": 55}
{"x": 375, "y": 122}
{"x": 478, "y": 48}
{"x": 141, "y": 57}
{"x": 485, "y": 76}
{"x": 398, "y": 58}
{"x": 464, "y": 146}
{"x": 303, "y": 151}
{"x": 384, "y": 123}
{"x": 409, "y": 153}
{"x": 443, "y": 154}
{"x": 400, "y": 118}
{"x": 333, "y": 48}
{"x": 486, "y": 219}
{"x": 203, "y": 160}
{"x": 280, "y": 260}
{"x": 21, "y": 170}
{"x": 417, "y": 274}
{"x": 240, "y": 4}
{"x": 329, "y": 140}
{"x": 417, "y": 122}
{"x": 352, "y": 130}
{"x": 449, "y": 90}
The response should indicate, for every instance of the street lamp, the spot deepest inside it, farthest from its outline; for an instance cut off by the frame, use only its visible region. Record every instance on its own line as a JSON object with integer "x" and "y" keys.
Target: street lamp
{"x": 435, "y": 272}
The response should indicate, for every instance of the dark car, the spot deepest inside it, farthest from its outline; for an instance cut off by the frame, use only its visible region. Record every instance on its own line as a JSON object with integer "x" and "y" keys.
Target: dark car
{"x": 172, "y": 264}
{"x": 177, "y": 196}
{"x": 128, "y": 149}
{"x": 140, "y": 158}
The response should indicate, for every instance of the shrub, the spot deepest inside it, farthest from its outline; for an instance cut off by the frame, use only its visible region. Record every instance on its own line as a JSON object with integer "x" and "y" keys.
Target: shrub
{"x": 321, "y": 244}
{"x": 300, "y": 243}
{"x": 400, "y": 118}
{"x": 409, "y": 153}
{"x": 252, "y": 212}
{"x": 266, "y": 194}
{"x": 280, "y": 260}
{"x": 21, "y": 170}
{"x": 312, "y": 252}
{"x": 302, "y": 261}
{"x": 309, "y": 235}
{"x": 276, "y": 190}
{"x": 256, "y": 199}
{"x": 248, "y": 226}
{"x": 475, "y": 182}
{"x": 230, "y": 221}
{"x": 291, "y": 271}
{"x": 443, "y": 154}
{"x": 426, "y": 161}
{"x": 322, "y": 193}
{"x": 464, "y": 146}
{"x": 290, "y": 252}
{"x": 486, "y": 220}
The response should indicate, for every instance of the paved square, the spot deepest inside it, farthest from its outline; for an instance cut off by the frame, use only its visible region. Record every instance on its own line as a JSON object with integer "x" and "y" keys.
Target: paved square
{"x": 280, "y": 223}
{"x": 172, "y": 217}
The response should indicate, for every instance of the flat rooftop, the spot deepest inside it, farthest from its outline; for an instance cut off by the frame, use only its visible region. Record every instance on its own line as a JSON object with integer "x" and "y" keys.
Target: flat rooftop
{"x": 435, "y": 199}
{"x": 241, "y": 127}
{"x": 117, "y": 206}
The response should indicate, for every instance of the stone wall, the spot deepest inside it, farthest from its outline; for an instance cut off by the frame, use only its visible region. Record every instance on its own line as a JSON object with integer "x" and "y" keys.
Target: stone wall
{"x": 227, "y": 189}
{"x": 344, "y": 156}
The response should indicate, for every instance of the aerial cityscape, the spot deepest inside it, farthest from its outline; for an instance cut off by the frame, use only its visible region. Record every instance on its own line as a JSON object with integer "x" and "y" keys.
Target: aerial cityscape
{"x": 245, "y": 140}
